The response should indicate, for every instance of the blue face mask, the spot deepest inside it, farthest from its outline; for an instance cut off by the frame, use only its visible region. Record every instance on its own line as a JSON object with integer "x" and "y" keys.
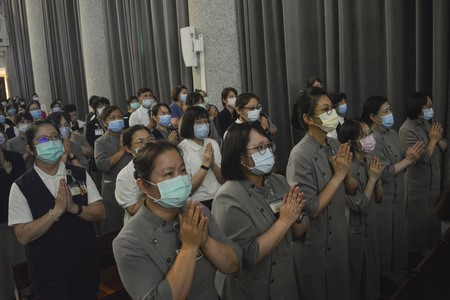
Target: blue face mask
{"x": 147, "y": 103}
{"x": 56, "y": 109}
{"x": 201, "y": 131}
{"x": 174, "y": 192}
{"x": 50, "y": 152}
{"x": 342, "y": 109}
{"x": 116, "y": 125}
{"x": 2, "y": 119}
{"x": 263, "y": 163}
{"x": 183, "y": 97}
{"x": 37, "y": 114}
{"x": 135, "y": 105}
{"x": 428, "y": 114}
{"x": 12, "y": 111}
{"x": 65, "y": 132}
{"x": 164, "y": 120}
{"x": 387, "y": 121}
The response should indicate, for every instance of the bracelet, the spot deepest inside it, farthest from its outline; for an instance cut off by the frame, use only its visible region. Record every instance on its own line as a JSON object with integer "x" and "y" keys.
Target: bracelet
{"x": 52, "y": 215}
{"x": 298, "y": 221}
{"x": 204, "y": 167}
{"x": 79, "y": 209}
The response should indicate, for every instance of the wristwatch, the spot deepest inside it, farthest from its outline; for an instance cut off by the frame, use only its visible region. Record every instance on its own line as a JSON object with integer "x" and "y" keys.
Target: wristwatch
{"x": 79, "y": 209}
{"x": 204, "y": 167}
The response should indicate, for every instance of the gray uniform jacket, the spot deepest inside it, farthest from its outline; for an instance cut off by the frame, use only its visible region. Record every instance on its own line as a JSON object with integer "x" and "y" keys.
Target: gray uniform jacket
{"x": 243, "y": 214}
{"x": 390, "y": 214}
{"x": 106, "y": 146}
{"x": 145, "y": 250}
{"x": 422, "y": 188}
{"x": 18, "y": 144}
{"x": 363, "y": 247}
{"x": 321, "y": 261}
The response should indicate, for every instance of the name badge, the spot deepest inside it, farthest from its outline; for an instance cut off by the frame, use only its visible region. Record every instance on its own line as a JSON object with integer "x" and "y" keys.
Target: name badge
{"x": 98, "y": 132}
{"x": 275, "y": 202}
{"x": 77, "y": 188}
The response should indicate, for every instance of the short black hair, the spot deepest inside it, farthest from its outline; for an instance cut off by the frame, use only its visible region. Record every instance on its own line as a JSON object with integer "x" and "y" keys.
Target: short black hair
{"x": 351, "y": 130}
{"x": 158, "y": 106}
{"x": 132, "y": 98}
{"x": 107, "y": 111}
{"x": 307, "y": 102}
{"x": 176, "y": 91}
{"x": 225, "y": 92}
{"x": 336, "y": 98}
{"x": 92, "y": 99}
{"x": 244, "y": 98}
{"x": 31, "y": 131}
{"x": 55, "y": 118}
{"x": 414, "y": 105}
{"x": 128, "y": 133}
{"x": 31, "y": 103}
{"x": 56, "y": 102}
{"x": 144, "y": 162}
{"x": 190, "y": 115}
{"x": 143, "y": 90}
{"x": 310, "y": 82}
{"x": 24, "y": 115}
{"x": 69, "y": 108}
{"x": 233, "y": 146}
{"x": 193, "y": 98}
{"x": 100, "y": 101}
{"x": 371, "y": 107}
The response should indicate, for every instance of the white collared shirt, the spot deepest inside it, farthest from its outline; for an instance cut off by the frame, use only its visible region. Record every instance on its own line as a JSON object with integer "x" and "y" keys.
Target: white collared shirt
{"x": 140, "y": 116}
{"x": 19, "y": 211}
{"x": 127, "y": 192}
{"x": 193, "y": 159}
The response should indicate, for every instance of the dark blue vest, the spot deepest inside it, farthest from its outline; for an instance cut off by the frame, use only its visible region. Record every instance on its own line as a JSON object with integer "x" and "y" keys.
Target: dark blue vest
{"x": 69, "y": 248}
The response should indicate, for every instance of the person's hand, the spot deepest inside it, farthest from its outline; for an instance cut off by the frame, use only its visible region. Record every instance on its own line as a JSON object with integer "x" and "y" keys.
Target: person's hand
{"x": 61, "y": 198}
{"x": 208, "y": 156}
{"x": 121, "y": 145}
{"x": 67, "y": 148}
{"x": 375, "y": 169}
{"x": 173, "y": 137}
{"x": 264, "y": 123}
{"x": 71, "y": 206}
{"x": 2, "y": 157}
{"x": 342, "y": 161}
{"x": 414, "y": 152}
{"x": 292, "y": 205}
{"x": 193, "y": 226}
{"x": 72, "y": 137}
{"x": 28, "y": 151}
{"x": 435, "y": 133}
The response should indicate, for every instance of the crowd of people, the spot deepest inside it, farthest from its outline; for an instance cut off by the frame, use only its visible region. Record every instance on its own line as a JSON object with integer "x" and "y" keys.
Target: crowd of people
{"x": 201, "y": 211}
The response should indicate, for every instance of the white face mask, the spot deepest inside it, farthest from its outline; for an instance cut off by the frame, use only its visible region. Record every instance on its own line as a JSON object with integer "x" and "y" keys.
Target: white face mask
{"x": 100, "y": 110}
{"x": 329, "y": 122}
{"x": 253, "y": 115}
{"x": 232, "y": 101}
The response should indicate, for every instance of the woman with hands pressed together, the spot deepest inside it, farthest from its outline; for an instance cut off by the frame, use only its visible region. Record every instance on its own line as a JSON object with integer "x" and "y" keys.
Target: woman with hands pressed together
{"x": 423, "y": 179}
{"x": 258, "y": 210}
{"x": 201, "y": 155}
{"x": 363, "y": 247}
{"x": 390, "y": 214}
{"x": 319, "y": 166}
{"x": 172, "y": 247}
{"x": 52, "y": 208}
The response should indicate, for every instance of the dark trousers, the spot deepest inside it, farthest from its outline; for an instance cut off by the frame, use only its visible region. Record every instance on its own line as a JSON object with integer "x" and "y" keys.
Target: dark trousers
{"x": 84, "y": 287}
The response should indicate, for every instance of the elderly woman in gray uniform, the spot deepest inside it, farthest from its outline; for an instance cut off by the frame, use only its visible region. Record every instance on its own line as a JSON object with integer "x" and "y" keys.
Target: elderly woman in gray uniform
{"x": 390, "y": 214}
{"x": 363, "y": 247}
{"x": 111, "y": 157}
{"x": 318, "y": 165}
{"x": 165, "y": 251}
{"x": 422, "y": 179}
{"x": 258, "y": 210}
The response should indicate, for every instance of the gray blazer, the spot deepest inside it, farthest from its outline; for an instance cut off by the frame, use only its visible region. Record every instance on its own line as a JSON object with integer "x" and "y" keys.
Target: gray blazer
{"x": 321, "y": 261}
{"x": 423, "y": 187}
{"x": 243, "y": 214}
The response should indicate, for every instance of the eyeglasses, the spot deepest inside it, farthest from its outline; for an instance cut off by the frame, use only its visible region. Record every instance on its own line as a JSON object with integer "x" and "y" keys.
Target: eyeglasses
{"x": 328, "y": 110}
{"x": 259, "y": 106}
{"x": 45, "y": 138}
{"x": 142, "y": 141}
{"x": 263, "y": 147}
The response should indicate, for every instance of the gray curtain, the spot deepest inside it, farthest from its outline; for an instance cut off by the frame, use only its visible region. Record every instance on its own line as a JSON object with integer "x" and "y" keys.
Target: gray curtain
{"x": 18, "y": 56}
{"x": 144, "y": 47}
{"x": 65, "y": 61}
{"x": 365, "y": 47}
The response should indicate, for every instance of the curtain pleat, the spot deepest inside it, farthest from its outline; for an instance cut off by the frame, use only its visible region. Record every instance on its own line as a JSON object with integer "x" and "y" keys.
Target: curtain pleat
{"x": 144, "y": 46}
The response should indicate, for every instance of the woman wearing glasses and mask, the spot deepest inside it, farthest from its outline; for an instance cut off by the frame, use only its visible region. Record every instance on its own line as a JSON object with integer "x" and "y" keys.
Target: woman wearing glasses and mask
{"x": 172, "y": 247}
{"x": 363, "y": 247}
{"x": 319, "y": 166}
{"x": 258, "y": 210}
{"x": 390, "y": 214}
{"x": 52, "y": 208}
{"x": 127, "y": 193}
{"x": 423, "y": 179}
